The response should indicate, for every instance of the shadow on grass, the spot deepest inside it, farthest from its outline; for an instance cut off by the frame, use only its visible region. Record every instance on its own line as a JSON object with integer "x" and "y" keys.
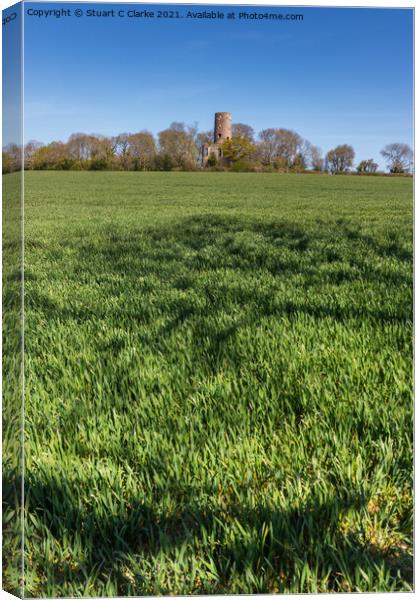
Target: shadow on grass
{"x": 237, "y": 538}
{"x": 157, "y": 265}
{"x": 181, "y": 256}
{"x": 204, "y": 272}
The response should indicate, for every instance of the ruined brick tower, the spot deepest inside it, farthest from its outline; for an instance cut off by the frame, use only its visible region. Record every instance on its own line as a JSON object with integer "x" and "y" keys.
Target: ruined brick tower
{"x": 222, "y": 127}
{"x": 222, "y": 132}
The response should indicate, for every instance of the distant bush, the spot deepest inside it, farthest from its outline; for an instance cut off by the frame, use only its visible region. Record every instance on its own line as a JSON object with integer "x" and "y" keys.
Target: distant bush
{"x": 77, "y": 166}
{"x": 164, "y": 162}
{"x": 242, "y": 166}
{"x": 218, "y": 167}
{"x": 98, "y": 164}
{"x": 211, "y": 161}
{"x": 64, "y": 164}
{"x": 6, "y": 163}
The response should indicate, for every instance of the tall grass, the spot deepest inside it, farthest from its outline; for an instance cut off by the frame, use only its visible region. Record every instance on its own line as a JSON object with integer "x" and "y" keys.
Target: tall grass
{"x": 12, "y": 422}
{"x": 218, "y": 384}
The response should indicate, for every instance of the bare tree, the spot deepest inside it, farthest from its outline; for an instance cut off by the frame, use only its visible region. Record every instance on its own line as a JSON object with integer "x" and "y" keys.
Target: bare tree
{"x": 178, "y": 143}
{"x": 242, "y": 130}
{"x": 142, "y": 149}
{"x": 288, "y": 146}
{"x": 306, "y": 155}
{"x": 79, "y": 146}
{"x": 267, "y": 146}
{"x": 123, "y": 149}
{"x": 367, "y": 166}
{"x": 399, "y": 157}
{"x": 203, "y": 137}
{"x": 29, "y": 150}
{"x": 316, "y": 158}
{"x": 282, "y": 148}
{"x": 103, "y": 149}
{"x": 14, "y": 152}
{"x": 340, "y": 159}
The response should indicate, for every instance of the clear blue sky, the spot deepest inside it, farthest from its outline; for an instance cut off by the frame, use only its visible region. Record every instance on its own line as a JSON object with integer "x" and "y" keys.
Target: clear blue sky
{"x": 340, "y": 76}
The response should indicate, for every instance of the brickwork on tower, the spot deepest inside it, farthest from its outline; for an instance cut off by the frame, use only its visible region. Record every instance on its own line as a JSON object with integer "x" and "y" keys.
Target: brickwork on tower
{"x": 222, "y": 127}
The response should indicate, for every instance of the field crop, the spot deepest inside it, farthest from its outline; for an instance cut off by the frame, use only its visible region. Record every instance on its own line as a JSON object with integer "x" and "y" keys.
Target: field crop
{"x": 218, "y": 383}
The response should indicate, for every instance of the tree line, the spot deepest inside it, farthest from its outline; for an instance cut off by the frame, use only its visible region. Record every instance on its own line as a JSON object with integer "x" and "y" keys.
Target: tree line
{"x": 178, "y": 148}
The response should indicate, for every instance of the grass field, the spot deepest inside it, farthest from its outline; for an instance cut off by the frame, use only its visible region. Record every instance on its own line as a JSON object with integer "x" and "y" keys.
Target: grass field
{"x": 218, "y": 383}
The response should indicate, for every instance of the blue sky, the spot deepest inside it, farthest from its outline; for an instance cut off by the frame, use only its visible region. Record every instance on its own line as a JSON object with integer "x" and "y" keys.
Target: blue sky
{"x": 338, "y": 76}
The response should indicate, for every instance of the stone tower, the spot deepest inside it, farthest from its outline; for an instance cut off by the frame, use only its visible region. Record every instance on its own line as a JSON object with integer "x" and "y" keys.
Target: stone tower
{"x": 222, "y": 127}
{"x": 222, "y": 132}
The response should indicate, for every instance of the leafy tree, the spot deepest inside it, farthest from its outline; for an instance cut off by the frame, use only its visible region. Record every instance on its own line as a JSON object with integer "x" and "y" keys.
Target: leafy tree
{"x": 53, "y": 156}
{"x": 238, "y": 148}
{"x": 399, "y": 157}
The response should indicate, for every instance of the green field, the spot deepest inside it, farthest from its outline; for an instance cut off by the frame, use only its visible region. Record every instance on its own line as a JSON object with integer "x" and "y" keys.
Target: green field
{"x": 218, "y": 383}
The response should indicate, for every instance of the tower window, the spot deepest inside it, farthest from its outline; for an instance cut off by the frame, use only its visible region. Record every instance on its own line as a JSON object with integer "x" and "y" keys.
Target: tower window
{"x": 220, "y": 152}
{"x": 219, "y": 135}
